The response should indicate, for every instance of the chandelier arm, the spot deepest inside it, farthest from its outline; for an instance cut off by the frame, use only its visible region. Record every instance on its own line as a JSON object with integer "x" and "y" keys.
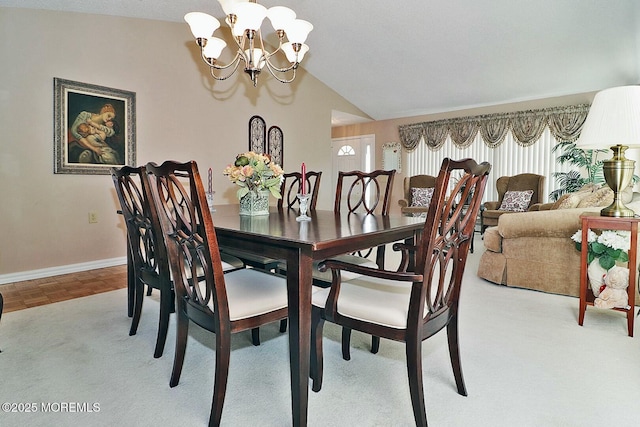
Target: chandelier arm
{"x": 236, "y": 61}
{"x": 273, "y": 70}
{"x": 280, "y": 70}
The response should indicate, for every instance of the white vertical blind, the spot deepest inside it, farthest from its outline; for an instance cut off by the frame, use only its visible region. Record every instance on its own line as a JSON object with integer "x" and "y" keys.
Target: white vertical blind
{"x": 507, "y": 159}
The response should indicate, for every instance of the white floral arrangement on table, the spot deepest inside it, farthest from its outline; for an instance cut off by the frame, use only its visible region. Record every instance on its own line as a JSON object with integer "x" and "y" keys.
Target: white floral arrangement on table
{"x": 253, "y": 172}
{"x": 609, "y": 246}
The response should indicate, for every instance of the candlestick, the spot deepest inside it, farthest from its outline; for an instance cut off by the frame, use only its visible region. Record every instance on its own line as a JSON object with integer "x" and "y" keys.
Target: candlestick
{"x": 210, "y": 181}
{"x": 303, "y": 180}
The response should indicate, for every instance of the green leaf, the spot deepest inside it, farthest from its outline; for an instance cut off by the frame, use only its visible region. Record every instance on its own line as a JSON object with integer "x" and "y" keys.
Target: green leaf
{"x": 273, "y": 182}
{"x": 623, "y": 257}
{"x": 598, "y": 248}
{"x": 275, "y": 192}
{"x": 607, "y": 262}
{"x": 242, "y": 191}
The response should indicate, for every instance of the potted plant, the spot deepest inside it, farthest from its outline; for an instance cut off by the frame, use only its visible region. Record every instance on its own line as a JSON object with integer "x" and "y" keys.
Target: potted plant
{"x": 257, "y": 177}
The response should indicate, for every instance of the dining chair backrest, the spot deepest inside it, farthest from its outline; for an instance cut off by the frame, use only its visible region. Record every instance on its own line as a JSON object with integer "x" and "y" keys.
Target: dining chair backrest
{"x": 190, "y": 237}
{"x": 291, "y": 187}
{"x": 146, "y": 245}
{"x": 149, "y": 252}
{"x": 446, "y": 237}
{"x": 366, "y": 192}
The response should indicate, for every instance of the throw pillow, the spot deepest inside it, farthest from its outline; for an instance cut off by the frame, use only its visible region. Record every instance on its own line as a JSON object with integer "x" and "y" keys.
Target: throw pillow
{"x": 599, "y": 198}
{"x": 516, "y": 201}
{"x": 421, "y": 197}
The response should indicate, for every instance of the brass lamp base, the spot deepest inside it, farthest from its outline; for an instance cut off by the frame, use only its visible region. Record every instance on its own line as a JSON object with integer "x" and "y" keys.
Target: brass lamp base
{"x": 618, "y": 172}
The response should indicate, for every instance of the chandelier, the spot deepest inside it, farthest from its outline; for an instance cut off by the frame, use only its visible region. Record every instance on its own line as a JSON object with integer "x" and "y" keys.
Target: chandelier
{"x": 244, "y": 18}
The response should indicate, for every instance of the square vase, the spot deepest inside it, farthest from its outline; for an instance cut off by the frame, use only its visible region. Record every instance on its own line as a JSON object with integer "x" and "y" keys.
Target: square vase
{"x": 255, "y": 203}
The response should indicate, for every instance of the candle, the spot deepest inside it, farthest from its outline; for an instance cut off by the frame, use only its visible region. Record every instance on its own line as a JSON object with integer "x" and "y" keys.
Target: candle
{"x": 210, "y": 181}
{"x": 303, "y": 180}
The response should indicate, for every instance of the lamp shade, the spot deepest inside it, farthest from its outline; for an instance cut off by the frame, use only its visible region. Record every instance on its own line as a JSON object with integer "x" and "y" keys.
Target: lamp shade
{"x": 613, "y": 119}
{"x": 298, "y": 30}
{"x": 280, "y": 16}
{"x": 288, "y": 50}
{"x": 227, "y": 5}
{"x": 250, "y": 15}
{"x": 213, "y": 48}
{"x": 201, "y": 24}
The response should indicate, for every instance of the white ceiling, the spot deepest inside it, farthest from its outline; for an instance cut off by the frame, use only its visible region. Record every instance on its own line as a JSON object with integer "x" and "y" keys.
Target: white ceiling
{"x": 412, "y": 57}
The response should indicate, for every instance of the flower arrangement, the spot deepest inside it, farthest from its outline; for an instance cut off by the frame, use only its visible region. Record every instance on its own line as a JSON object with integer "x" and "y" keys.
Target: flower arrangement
{"x": 253, "y": 172}
{"x": 609, "y": 246}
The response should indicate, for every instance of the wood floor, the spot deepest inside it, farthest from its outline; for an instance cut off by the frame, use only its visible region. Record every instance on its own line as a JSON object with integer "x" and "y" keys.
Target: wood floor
{"x": 32, "y": 293}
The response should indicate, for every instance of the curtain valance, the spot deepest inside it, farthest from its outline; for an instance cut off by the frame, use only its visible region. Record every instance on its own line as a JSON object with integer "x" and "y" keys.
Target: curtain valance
{"x": 565, "y": 124}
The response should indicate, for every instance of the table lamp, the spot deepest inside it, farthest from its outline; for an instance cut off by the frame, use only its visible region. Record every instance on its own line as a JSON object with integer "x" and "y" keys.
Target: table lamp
{"x": 614, "y": 121}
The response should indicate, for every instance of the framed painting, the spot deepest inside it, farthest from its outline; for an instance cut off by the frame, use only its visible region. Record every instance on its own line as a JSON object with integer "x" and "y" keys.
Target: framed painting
{"x": 94, "y": 128}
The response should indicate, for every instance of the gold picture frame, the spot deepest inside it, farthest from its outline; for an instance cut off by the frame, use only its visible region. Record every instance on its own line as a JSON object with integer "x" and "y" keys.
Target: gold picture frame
{"x": 94, "y": 128}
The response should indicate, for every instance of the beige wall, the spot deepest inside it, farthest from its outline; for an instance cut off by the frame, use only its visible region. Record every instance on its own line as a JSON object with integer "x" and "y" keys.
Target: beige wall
{"x": 181, "y": 115}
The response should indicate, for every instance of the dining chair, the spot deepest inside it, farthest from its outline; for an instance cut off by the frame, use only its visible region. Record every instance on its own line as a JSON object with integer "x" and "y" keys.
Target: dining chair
{"x": 289, "y": 189}
{"x": 147, "y": 257}
{"x": 412, "y": 304}
{"x": 147, "y": 262}
{"x": 221, "y": 303}
{"x": 292, "y": 186}
{"x": 360, "y": 192}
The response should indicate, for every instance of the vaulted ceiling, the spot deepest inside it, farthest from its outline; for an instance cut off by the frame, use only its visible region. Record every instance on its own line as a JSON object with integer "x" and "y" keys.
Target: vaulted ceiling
{"x": 412, "y": 57}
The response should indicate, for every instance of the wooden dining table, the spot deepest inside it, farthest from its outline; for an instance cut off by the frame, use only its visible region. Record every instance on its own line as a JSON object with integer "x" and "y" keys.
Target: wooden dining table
{"x": 279, "y": 235}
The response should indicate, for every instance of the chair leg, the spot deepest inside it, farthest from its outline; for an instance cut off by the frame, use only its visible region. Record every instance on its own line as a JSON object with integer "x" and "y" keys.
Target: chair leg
{"x": 223, "y": 351}
{"x": 375, "y": 344}
{"x": 414, "y": 370}
{"x": 255, "y": 336}
{"x": 131, "y": 284}
{"x": 283, "y": 326}
{"x": 166, "y": 306}
{"x": 346, "y": 343}
{"x": 316, "y": 368}
{"x": 137, "y": 308}
{"x": 454, "y": 355}
{"x": 182, "y": 332}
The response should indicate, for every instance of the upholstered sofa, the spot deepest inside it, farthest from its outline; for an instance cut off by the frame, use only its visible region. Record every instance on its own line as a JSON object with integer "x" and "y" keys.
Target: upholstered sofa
{"x": 534, "y": 249}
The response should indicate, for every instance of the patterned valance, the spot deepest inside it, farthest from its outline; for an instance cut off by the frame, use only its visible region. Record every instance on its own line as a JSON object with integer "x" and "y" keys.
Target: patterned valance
{"x": 565, "y": 124}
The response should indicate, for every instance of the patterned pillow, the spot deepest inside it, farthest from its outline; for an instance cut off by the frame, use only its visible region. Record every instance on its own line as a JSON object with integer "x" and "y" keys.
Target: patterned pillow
{"x": 421, "y": 197}
{"x": 516, "y": 201}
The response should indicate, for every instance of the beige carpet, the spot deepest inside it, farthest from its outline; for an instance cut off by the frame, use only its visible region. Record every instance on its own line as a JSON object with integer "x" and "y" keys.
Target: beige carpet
{"x": 525, "y": 359}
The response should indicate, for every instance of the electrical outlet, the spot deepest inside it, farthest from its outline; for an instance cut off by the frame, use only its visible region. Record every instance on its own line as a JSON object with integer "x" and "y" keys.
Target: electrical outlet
{"x": 93, "y": 217}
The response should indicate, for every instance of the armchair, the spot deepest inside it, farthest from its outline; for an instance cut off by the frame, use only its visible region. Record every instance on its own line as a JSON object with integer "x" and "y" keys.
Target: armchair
{"x": 504, "y": 184}
{"x": 407, "y": 205}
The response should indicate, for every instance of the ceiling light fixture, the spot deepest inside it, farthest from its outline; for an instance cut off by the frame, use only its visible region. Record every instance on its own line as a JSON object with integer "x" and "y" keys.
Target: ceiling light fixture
{"x": 245, "y": 17}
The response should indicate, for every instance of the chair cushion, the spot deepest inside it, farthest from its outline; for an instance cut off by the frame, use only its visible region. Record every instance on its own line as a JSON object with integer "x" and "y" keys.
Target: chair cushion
{"x": 516, "y": 201}
{"x": 421, "y": 196}
{"x": 252, "y": 292}
{"x": 380, "y": 301}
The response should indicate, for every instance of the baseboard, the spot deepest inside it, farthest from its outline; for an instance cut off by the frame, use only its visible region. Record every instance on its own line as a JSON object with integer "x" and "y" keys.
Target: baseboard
{"x": 63, "y": 269}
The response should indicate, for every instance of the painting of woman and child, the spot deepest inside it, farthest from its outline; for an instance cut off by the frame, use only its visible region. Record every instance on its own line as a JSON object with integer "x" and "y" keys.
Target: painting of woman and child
{"x": 94, "y": 128}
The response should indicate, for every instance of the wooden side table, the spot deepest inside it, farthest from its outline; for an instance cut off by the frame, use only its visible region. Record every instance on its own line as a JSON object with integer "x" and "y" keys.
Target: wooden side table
{"x": 595, "y": 221}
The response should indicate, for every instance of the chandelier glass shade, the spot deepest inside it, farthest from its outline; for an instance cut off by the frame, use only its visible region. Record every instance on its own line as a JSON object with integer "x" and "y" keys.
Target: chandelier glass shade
{"x": 245, "y": 18}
